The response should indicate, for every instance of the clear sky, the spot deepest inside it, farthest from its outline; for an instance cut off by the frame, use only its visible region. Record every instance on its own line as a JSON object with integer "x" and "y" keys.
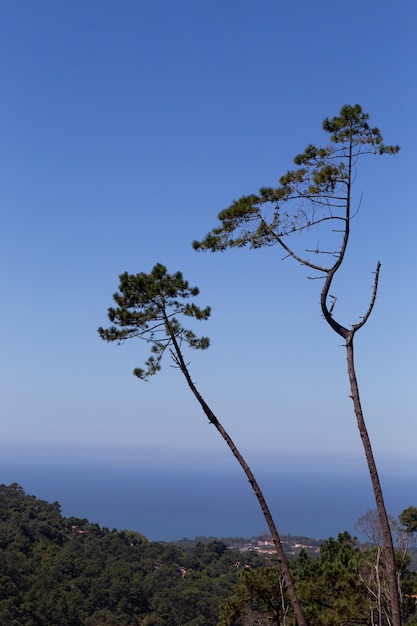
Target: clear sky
{"x": 125, "y": 128}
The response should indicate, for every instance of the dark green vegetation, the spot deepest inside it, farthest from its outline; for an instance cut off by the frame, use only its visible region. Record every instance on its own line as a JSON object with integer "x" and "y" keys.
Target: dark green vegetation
{"x": 345, "y": 585}
{"x": 58, "y": 571}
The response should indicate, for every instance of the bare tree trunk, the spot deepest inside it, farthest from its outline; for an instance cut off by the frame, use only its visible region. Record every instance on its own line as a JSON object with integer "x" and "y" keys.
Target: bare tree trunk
{"x": 376, "y": 485}
{"x": 378, "y": 585}
{"x": 284, "y": 605}
{"x": 295, "y": 603}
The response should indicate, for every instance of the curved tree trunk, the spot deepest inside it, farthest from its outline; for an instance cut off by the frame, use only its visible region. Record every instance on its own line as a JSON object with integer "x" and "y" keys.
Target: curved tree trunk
{"x": 295, "y": 603}
{"x": 376, "y": 485}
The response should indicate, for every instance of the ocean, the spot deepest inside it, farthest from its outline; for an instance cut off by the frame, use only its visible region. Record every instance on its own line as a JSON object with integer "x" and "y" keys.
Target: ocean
{"x": 170, "y": 504}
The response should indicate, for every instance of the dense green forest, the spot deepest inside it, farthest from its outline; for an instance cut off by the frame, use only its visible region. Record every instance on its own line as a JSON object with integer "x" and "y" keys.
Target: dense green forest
{"x": 66, "y": 571}
{"x": 58, "y": 571}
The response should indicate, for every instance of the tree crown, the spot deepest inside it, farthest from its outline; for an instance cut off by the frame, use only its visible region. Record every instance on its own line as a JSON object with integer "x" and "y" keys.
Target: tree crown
{"x": 149, "y": 307}
{"x": 314, "y": 193}
{"x": 408, "y": 519}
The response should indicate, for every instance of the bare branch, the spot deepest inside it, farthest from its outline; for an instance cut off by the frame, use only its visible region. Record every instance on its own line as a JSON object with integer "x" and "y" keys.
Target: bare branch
{"x": 364, "y": 319}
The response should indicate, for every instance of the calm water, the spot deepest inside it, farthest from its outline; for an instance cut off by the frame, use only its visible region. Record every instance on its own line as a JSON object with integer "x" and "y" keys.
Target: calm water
{"x": 172, "y": 504}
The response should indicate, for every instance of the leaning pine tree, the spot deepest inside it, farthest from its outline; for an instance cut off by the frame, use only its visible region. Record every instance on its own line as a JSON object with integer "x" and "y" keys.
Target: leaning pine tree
{"x": 316, "y": 197}
{"x": 149, "y": 307}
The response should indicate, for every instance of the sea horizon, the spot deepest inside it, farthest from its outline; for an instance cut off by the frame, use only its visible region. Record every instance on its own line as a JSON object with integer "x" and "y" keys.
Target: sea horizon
{"x": 168, "y": 504}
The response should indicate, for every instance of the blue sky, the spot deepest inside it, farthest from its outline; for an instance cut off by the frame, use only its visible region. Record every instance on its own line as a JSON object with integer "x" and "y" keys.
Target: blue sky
{"x": 126, "y": 127}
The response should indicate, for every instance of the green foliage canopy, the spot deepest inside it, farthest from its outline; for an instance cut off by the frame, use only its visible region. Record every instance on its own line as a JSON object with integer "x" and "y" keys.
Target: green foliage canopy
{"x": 148, "y": 307}
{"x": 315, "y": 193}
{"x": 408, "y": 519}
{"x": 69, "y": 572}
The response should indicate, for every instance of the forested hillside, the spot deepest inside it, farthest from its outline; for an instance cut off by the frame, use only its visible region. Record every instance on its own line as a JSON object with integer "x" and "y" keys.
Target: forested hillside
{"x": 57, "y": 571}
{"x": 65, "y": 571}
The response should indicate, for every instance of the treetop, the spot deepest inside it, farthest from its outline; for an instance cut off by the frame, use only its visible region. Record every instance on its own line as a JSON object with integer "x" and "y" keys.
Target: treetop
{"x": 317, "y": 191}
{"x": 148, "y": 307}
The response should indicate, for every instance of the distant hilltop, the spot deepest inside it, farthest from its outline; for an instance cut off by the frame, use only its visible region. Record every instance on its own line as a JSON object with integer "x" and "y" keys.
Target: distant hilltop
{"x": 262, "y": 544}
